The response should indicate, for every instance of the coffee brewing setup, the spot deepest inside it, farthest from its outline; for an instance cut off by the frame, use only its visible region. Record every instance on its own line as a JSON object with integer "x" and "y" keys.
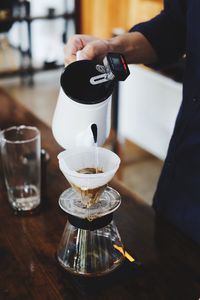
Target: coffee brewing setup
{"x": 90, "y": 244}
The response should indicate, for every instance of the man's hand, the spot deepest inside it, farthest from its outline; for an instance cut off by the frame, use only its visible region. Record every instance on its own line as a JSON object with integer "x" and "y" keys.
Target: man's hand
{"x": 88, "y": 47}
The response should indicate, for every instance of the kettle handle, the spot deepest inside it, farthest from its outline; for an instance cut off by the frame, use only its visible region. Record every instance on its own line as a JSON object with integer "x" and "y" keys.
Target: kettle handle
{"x": 78, "y": 55}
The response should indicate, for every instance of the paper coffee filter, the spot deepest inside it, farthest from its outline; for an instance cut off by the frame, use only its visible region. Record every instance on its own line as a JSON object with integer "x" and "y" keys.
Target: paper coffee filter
{"x": 73, "y": 160}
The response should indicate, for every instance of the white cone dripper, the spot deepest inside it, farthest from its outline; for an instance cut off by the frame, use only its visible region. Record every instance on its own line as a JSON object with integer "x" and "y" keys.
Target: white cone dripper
{"x": 73, "y": 160}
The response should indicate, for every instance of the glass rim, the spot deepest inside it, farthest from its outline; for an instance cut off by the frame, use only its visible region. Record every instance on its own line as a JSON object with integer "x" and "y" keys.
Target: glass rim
{"x": 33, "y": 128}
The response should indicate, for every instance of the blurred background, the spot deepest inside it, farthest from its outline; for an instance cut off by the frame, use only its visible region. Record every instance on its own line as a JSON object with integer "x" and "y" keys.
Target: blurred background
{"x": 32, "y": 37}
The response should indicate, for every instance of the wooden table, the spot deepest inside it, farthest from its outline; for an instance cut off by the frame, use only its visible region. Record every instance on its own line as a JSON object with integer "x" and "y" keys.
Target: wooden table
{"x": 168, "y": 264}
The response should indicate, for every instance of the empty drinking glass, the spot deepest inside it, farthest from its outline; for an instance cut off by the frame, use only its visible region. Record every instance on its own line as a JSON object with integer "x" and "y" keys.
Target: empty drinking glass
{"x": 20, "y": 149}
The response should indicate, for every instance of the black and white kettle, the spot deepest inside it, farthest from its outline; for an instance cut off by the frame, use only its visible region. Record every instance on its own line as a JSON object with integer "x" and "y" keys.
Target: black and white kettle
{"x": 85, "y": 100}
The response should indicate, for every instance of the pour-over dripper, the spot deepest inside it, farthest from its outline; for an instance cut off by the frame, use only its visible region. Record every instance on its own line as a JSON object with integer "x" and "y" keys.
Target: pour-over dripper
{"x": 104, "y": 164}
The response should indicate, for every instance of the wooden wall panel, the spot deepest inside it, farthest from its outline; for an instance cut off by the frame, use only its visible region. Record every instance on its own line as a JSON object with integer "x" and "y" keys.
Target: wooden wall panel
{"x": 99, "y": 17}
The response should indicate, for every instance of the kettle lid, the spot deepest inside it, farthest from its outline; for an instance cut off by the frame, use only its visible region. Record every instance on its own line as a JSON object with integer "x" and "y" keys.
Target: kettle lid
{"x": 75, "y": 81}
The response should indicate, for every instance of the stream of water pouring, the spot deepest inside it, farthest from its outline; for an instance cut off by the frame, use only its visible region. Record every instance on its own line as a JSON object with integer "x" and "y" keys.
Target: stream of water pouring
{"x": 96, "y": 154}
{"x": 96, "y": 157}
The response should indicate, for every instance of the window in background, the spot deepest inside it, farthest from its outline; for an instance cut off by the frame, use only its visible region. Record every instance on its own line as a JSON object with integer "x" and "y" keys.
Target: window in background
{"x": 47, "y": 34}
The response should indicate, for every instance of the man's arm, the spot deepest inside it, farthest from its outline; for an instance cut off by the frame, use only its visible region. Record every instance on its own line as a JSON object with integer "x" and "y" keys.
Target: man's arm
{"x": 135, "y": 47}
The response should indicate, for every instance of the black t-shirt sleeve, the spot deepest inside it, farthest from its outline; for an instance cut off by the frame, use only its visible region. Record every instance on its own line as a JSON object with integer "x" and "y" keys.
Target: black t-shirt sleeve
{"x": 166, "y": 32}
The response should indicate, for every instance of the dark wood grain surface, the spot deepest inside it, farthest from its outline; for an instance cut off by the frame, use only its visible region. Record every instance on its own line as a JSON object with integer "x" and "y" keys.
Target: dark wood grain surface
{"x": 167, "y": 263}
